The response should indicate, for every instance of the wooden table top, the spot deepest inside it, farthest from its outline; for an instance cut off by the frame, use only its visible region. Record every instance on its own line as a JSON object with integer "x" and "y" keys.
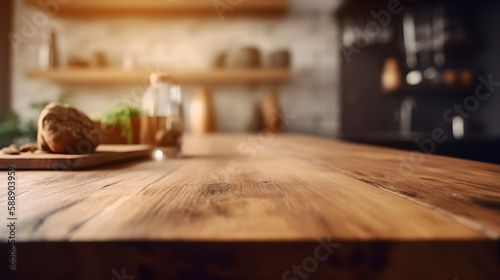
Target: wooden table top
{"x": 263, "y": 188}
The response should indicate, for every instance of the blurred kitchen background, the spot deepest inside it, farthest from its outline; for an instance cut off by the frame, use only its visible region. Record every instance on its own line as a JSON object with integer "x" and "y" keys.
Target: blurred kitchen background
{"x": 380, "y": 72}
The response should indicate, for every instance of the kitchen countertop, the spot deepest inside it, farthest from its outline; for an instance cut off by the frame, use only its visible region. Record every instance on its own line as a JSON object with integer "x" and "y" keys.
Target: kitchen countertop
{"x": 264, "y": 188}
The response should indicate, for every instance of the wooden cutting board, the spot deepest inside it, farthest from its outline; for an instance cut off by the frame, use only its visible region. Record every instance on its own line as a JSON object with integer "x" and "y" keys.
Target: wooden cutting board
{"x": 104, "y": 154}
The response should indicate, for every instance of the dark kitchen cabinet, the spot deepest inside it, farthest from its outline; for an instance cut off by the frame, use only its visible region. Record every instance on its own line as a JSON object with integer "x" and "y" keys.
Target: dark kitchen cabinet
{"x": 451, "y": 47}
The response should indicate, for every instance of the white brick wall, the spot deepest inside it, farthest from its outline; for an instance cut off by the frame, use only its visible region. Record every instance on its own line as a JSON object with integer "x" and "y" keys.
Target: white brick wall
{"x": 308, "y": 31}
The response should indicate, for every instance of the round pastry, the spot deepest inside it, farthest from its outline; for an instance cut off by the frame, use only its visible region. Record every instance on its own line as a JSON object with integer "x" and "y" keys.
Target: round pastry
{"x": 63, "y": 129}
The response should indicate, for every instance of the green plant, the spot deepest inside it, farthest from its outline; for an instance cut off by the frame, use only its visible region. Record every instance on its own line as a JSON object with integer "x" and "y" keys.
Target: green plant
{"x": 12, "y": 128}
{"x": 120, "y": 116}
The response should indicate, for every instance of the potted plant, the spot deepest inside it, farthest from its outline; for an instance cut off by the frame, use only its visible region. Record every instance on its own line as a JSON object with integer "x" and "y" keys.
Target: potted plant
{"x": 121, "y": 125}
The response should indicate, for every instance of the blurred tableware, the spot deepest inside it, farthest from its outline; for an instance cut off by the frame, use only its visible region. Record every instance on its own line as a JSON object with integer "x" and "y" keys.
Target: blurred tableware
{"x": 219, "y": 61}
{"x": 161, "y": 112}
{"x": 409, "y": 39}
{"x": 201, "y": 113}
{"x": 458, "y": 127}
{"x": 466, "y": 77}
{"x": 248, "y": 57}
{"x": 48, "y": 52}
{"x": 439, "y": 35}
{"x": 279, "y": 59}
{"x": 76, "y": 62}
{"x": 128, "y": 62}
{"x": 414, "y": 77}
{"x": 450, "y": 77}
{"x": 391, "y": 78}
{"x": 431, "y": 74}
{"x": 99, "y": 60}
{"x": 271, "y": 112}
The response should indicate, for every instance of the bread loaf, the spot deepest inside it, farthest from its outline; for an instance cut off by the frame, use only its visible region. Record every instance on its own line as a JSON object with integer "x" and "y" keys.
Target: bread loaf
{"x": 63, "y": 129}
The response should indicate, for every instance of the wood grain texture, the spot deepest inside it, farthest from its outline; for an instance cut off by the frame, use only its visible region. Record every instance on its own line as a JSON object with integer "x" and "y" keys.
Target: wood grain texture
{"x": 466, "y": 191}
{"x": 104, "y": 154}
{"x": 262, "y": 187}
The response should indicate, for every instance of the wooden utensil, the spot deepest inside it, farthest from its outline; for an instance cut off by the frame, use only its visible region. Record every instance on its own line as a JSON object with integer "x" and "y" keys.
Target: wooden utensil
{"x": 201, "y": 113}
{"x": 271, "y": 112}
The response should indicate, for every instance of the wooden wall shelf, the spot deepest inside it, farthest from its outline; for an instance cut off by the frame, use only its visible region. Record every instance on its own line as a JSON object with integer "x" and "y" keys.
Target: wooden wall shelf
{"x": 92, "y": 8}
{"x": 96, "y": 76}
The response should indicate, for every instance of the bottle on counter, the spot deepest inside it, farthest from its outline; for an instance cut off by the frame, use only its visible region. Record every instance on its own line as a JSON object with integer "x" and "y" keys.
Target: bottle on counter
{"x": 48, "y": 52}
